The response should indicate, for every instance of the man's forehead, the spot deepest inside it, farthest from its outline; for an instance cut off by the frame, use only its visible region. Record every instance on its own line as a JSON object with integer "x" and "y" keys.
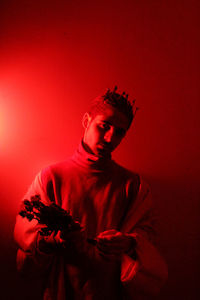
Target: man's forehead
{"x": 113, "y": 116}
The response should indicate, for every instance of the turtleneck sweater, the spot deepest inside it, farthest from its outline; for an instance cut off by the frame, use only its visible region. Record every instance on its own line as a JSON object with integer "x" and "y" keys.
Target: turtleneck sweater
{"x": 100, "y": 195}
{"x": 89, "y": 160}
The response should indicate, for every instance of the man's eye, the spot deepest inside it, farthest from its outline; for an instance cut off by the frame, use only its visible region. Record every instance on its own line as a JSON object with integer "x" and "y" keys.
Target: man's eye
{"x": 104, "y": 126}
{"x": 120, "y": 132}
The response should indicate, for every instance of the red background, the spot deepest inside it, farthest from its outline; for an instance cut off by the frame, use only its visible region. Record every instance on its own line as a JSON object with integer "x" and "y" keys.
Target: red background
{"x": 55, "y": 56}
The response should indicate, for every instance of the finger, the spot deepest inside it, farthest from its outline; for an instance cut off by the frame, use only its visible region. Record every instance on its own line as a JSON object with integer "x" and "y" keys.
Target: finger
{"x": 115, "y": 251}
{"x": 117, "y": 240}
{"x": 104, "y": 249}
{"x": 111, "y": 238}
{"x": 107, "y": 233}
{"x": 111, "y": 248}
{"x": 114, "y": 247}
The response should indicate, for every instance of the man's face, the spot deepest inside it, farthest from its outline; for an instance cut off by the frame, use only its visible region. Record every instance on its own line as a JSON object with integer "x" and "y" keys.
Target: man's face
{"x": 104, "y": 132}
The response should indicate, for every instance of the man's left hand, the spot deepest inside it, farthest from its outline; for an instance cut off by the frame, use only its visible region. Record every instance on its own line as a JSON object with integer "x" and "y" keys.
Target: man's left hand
{"x": 113, "y": 243}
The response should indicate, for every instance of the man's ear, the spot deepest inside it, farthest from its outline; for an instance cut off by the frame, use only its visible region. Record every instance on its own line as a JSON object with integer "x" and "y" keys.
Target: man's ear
{"x": 86, "y": 120}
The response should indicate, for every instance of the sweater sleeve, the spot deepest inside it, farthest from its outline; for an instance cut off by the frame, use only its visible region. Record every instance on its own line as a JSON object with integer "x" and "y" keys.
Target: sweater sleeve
{"x": 26, "y": 234}
{"x": 146, "y": 272}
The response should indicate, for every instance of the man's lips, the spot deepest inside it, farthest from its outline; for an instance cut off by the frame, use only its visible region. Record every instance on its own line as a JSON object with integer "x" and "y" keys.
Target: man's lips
{"x": 104, "y": 147}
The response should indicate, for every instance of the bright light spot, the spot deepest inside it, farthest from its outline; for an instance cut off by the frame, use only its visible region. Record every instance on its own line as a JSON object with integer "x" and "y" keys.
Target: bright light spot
{"x": 2, "y": 125}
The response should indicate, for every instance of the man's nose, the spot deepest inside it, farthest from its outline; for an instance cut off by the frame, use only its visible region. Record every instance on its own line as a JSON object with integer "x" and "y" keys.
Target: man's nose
{"x": 109, "y": 135}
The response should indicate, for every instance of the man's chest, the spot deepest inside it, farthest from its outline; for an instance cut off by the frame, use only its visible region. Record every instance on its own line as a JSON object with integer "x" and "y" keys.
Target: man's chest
{"x": 97, "y": 203}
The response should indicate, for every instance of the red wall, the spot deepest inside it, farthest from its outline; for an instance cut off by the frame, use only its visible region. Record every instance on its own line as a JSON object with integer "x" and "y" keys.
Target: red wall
{"x": 55, "y": 56}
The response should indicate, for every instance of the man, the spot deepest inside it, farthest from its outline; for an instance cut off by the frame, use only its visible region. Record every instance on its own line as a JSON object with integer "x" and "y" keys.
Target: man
{"x": 114, "y": 209}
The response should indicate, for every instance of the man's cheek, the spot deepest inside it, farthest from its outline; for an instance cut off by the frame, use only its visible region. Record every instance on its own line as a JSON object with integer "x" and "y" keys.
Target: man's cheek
{"x": 98, "y": 136}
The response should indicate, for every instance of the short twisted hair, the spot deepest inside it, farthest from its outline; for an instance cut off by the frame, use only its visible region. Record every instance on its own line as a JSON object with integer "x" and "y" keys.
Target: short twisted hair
{"x": 116, "y": 100}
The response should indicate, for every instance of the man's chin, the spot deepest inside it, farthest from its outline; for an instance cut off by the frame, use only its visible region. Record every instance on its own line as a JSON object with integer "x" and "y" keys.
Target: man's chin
{"x": 103, "y": 152}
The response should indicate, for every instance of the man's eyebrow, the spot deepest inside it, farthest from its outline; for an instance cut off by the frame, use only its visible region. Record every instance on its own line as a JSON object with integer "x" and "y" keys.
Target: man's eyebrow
{"x": 118, "y": 128}
{"x": 122, "y": 130}
{"x": 106, "y": 122}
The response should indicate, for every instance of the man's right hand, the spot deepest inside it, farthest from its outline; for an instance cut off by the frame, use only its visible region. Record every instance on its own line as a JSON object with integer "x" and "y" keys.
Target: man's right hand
{"x": 68, "y": 240}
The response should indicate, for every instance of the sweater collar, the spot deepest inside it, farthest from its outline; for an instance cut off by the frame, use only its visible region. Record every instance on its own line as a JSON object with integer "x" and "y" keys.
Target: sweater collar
{"x": 88, "y": 160}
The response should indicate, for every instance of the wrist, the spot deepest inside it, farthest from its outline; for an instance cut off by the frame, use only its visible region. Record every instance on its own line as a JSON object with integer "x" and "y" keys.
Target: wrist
{"x": 132, "y": 245}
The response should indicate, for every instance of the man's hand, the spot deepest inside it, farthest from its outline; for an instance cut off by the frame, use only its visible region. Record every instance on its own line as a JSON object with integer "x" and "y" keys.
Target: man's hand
{"x": 74, "y": 241}
{"x": 112, "y": 243}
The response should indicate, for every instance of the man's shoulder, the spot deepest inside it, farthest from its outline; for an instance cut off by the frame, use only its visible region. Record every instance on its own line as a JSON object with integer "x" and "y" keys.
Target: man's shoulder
{"x": 56, "y": 169}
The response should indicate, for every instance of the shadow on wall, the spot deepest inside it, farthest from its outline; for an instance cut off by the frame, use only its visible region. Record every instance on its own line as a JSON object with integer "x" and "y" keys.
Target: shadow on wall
{"x": 178, "y": 230}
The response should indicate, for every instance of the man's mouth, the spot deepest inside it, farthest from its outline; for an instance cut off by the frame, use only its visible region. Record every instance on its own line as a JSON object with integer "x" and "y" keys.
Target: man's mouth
{"x": 105, "y": 148}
